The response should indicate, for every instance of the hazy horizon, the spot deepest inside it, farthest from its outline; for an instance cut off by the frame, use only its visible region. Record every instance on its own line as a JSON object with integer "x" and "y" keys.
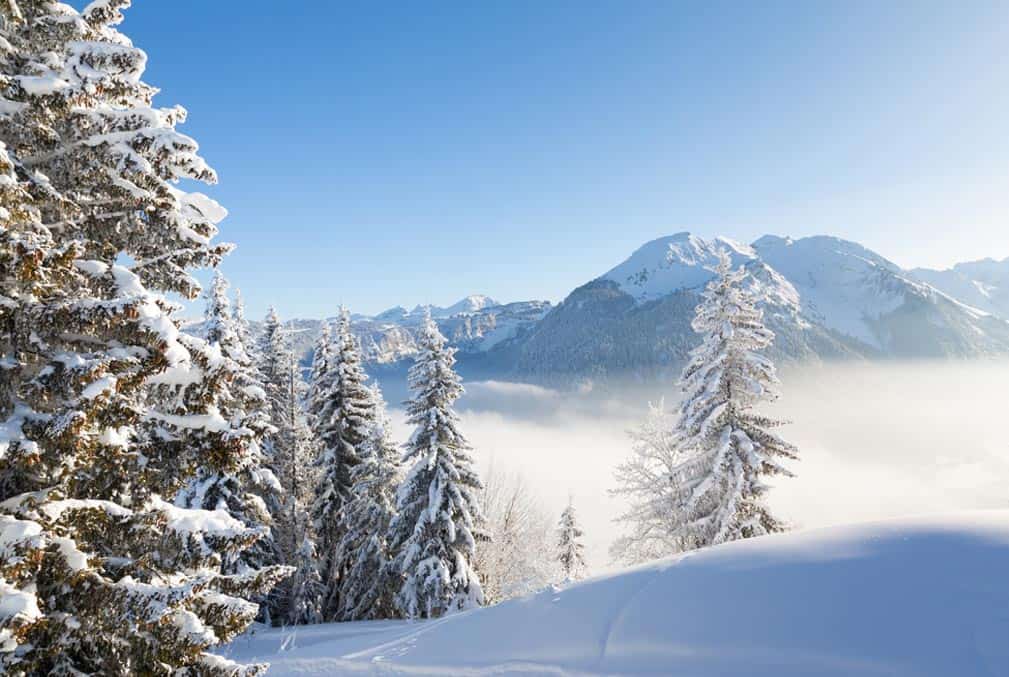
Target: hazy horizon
{"x": 877, "y": 440}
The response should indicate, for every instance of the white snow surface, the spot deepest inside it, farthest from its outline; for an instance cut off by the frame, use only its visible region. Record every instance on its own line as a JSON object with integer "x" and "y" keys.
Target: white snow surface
{"x": 680, "y": 261}
{"x": 841, "y": 285}
{"x": 838, "y": 284}
{"x": 982, "y": 284}
{"x": 924, "y": 596}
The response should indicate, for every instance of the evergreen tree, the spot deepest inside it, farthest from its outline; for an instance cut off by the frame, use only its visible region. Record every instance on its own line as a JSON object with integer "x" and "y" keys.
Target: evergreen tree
{"x": 369, "y": 583}
{"x": 295, "y": 447}
{"x": 707, "y": 474}
{"x": 240, "y": 402}
{"x": 259, "y": 479}
{"x": 304, "y": 602}
{"x": 434, "y": 531}
{"x": 320, "y": 380}
{"x": 100, "y": 575}
{"x": 274, "y": 357}
{"x": 569, "y": 546}
{"x": 343, "y": 415}
{"x": 275, "y": 375}
{"x": 291, "y": 449}
{"x": 251, "y": 349}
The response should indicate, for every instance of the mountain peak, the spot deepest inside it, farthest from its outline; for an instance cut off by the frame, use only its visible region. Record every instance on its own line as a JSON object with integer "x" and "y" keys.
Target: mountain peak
{"x": 471, "y": 304}
{"x": 770, "y": 240}
{"x": 679, "y": 261}
{"x": 819, "y": 246}
{"x": 392, "y": 314}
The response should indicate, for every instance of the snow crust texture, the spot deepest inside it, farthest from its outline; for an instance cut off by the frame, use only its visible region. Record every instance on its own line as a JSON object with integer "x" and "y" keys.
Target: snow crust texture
{"x": 922, "y": 597}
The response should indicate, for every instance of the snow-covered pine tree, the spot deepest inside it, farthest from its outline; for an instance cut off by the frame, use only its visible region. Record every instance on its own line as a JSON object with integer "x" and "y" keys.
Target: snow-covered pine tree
{"x": 31, "y": 269}
{"x": 281, "y": 388}
{"x": 291, "y": 450}
{"x": 569, "y": 546}
{"x": 306, "y": 591}
{"x": 242, "y": 325}
{"x": 320, "y": 379}
{"x": 240, "y": 402}
{"x": 644, "y": 480}
{"x": 225, "y": 326}
{"x": 259, "y": 479}
{"x": 369, "y": 581}
{"x": 295, "y": 447}
{"x": 343, "y": 415}
{"x": 725, "y": 447}
{"x": 249, "y": 344}
{"x": 434, "y": 532}
{"x": 102, "y": 575}
{"x": 274, "y": 356}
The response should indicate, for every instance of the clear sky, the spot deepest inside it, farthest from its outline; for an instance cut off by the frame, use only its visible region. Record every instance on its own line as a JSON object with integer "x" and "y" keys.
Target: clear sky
{"x": 404, "y": 152}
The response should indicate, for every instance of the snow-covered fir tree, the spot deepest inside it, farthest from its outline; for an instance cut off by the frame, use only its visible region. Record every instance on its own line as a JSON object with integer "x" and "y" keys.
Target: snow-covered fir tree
{"x": 305, "y": 588}
{"x": 728, "y": 446}
{"x": 259, "y": 479}
{"x": 369, "y": 581}
{"x": 100, "y": 574}
{"x": 274, "y": 356}
{"x": 343, "y": 415}
{"x": 291, "y": 449}
{"x": 704, "y": 483}
{"x": 276, "y": 371}
{"x": 319, "y": 380}
{"x": 250, "y": 345}
{"x": 296, "y": 447}
{"x": 434, "y": 532}
{"x": 570, "y": 551}
{"x": 240, "y": 401}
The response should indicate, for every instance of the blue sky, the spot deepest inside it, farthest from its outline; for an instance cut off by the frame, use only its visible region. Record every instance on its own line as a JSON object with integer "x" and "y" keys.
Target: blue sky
{"x": 376, "y": 154}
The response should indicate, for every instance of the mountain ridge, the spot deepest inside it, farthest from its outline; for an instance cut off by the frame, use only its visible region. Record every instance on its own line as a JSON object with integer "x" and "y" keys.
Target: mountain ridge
{"x": 823, "y": 296}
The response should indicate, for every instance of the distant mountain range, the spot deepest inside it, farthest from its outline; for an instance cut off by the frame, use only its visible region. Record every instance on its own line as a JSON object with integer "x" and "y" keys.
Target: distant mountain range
{"x": 483, "y": 330}
{"x": 825, "y": 298}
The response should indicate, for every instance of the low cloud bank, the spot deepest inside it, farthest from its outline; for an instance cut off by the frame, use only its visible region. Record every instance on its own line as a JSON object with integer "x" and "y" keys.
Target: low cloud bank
{"x": 877, "y": 441}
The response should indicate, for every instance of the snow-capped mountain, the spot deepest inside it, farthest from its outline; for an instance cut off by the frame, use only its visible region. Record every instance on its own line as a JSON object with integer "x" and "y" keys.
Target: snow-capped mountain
{"x": 471, "y": 304}
{"x": 824, "y": 297}
{"x": 476, "y": 326}
{"x": 858, "y": 294}
{"x": 983, "y": 284}
{"x": 680, "y": 261}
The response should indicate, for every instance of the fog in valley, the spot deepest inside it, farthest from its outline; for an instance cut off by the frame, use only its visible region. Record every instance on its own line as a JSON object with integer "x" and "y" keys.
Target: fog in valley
{"x": 877, "y": 440}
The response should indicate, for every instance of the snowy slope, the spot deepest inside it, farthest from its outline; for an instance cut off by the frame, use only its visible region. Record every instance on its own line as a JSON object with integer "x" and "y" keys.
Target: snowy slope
{"x": 983, "y": 284}
{"x": 842, "y": 285}
{"x": 680, "y": 261}
{"x": 918, "y": 597}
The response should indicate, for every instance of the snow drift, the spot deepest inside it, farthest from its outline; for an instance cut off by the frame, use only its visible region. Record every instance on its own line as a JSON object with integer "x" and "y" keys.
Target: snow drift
{"x": 926, "y": 596}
